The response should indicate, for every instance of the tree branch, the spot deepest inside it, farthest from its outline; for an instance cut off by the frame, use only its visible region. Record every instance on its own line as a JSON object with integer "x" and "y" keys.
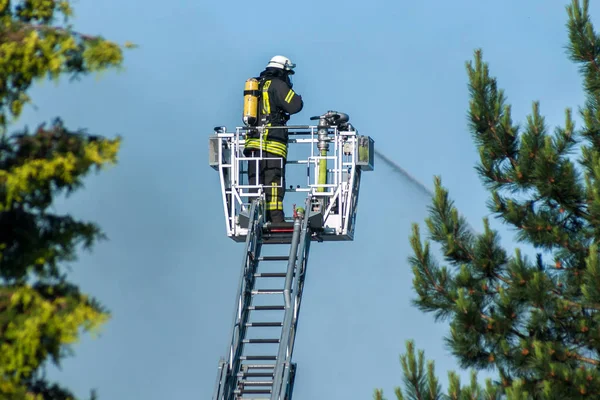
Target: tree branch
{"x": 587, "y": 360}
{"x": 20, "y": 30}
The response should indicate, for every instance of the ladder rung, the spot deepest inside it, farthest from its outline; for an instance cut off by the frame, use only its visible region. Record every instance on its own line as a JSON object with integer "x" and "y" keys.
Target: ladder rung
{"x": 252, "y": 398}
{"x": 257, "y": 383}
{"x": 255, "y": 374}
{"x": 252, "y": 391}
{"x": 281, "y": 230}
{"x": 259, "y": 366}
{"x": 264, "y": 324}
{"x": 260, "y": 341}
{"x": 270, "y": 275}
{"x": 273, "y": 258}
{"x": 258, "y": 358}
{"x": 266, "y": 308}
{"x": 267, "y": 291}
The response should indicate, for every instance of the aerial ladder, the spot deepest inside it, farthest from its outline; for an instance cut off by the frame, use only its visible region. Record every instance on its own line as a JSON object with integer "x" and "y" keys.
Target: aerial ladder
{"x": 331, "y": 158}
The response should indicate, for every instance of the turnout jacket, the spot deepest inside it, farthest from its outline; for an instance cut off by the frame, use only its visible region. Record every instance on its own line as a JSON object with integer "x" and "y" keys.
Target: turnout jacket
{"x": 277, "y": 102}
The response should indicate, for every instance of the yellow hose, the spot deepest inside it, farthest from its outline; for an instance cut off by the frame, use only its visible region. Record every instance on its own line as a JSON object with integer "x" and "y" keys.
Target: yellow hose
{"x": 322, "y": 171}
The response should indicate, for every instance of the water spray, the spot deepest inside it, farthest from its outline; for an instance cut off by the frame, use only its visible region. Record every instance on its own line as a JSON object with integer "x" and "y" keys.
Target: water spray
{"x": 397, "y": 168}
{"x": 401, "y": 171}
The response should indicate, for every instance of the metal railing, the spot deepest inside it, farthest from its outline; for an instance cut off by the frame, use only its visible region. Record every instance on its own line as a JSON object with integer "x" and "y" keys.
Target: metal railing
{"x": 346, "y": 154}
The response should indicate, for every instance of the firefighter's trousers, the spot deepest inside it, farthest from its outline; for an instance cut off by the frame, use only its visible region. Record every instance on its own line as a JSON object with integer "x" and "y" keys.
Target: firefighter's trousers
{"x": 271, "y": 174}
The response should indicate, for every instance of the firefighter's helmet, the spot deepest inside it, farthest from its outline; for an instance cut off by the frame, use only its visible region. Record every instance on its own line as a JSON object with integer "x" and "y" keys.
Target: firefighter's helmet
{"x": 282, "y": 62}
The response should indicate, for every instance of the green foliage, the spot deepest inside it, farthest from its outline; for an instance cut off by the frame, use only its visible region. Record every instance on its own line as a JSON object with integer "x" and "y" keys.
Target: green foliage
{"x": 421, "y": 385}
{"x": 33, "y": 47}
{"x": 534, "y": 320}
{"x": 41, "y": 313}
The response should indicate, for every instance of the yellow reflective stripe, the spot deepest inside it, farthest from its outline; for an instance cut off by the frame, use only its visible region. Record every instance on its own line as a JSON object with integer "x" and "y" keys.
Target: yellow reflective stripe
{"x": 289, "y": 96}
{"x": 276, "y": 148}
{"x": 277, "y": 205}
{"x": 269, "y": 143}
{"x": 266, "y": 102}
{"x": 266, "y": 135}
{"x": 274, "y": 204}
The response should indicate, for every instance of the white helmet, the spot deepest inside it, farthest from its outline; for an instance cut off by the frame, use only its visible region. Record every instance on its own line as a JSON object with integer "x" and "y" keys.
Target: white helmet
{"x": 282, "y": 62}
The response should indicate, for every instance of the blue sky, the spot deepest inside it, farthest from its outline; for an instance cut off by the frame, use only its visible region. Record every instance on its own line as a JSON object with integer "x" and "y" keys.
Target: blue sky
{"x": 169, "y": 273}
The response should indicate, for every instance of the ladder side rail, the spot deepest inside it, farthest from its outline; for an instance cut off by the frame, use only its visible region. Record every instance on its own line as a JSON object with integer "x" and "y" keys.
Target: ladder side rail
{"x": 221, "y": 380}
{"x": 234, "y": 349}
{"x": 292, "y": 262}
{"x": 285, "y": 331}
{"x": 247, "y": 279}
{"x": 290, "y": 370}
{"x": 292, "y": 378}
{"x": 288, "y": 330}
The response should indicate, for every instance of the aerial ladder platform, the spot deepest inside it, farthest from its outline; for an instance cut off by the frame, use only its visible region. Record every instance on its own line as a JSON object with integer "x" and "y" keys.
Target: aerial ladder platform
{"x": 330, "y": 159}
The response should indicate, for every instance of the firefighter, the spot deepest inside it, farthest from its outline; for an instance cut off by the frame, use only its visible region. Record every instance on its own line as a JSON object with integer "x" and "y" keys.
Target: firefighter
{"x": 277, "y": 101}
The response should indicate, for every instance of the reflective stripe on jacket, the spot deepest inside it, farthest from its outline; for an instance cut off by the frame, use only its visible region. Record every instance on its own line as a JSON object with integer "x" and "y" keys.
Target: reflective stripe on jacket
{"x": 278, "y": 101}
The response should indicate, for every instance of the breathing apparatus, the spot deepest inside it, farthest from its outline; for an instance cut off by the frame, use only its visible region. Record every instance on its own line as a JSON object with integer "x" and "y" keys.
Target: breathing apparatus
{"x": 252, "y": 94}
